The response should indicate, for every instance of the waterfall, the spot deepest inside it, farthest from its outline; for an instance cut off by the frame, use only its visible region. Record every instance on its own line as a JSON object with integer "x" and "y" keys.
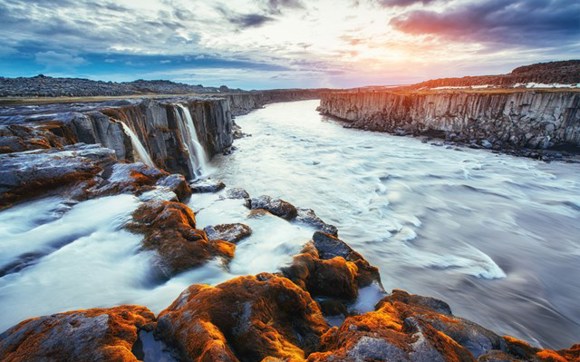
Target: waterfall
{"x": 138, "y": 147}
{"x": 197, "y": 156}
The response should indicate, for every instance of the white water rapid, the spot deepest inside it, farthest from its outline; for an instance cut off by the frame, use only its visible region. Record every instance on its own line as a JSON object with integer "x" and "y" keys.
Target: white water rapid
{"x": 197, "y": 157}
{"x": 493, "y": 235}
{"x": 138, "y": 147}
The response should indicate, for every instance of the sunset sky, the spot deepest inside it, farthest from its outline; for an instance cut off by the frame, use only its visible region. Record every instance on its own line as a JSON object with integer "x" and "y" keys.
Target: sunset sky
{"x": 283, "y": 43}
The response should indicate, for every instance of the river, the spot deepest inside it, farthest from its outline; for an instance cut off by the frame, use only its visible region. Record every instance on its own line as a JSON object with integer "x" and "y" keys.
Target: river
{"x": 497, "y": 237}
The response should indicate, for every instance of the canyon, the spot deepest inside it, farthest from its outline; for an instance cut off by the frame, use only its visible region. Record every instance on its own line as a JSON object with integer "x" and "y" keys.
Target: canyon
{"x": 501, "y": 120}
{"x": 134, "y": 163}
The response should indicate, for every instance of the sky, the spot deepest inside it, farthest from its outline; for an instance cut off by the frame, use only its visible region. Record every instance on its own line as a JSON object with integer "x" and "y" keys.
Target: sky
{"x": 261, "y": 44}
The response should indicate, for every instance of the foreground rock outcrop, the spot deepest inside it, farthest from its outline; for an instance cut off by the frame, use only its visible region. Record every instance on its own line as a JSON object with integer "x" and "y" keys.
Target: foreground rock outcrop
{"x": 169, "y": 229}
{"x": 88, "y": 335}
{"x": 498, "y": 119}
{"x": 247, "y": 319}
{"x": 327, "y": 267}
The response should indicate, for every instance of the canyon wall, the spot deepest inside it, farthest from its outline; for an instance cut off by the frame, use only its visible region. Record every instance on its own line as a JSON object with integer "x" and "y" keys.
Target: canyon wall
{"x": 157, "y": 124}
{"x": 502, "y": 119}
{"x": 243, "y": 103}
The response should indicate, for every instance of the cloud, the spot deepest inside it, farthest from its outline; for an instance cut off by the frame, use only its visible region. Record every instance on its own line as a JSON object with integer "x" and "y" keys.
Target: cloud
{"x": 53, "y": 60}
{"x": 250, "y": 20}
{"x": 276, "y": 6}
{"x": 513, "y": 22}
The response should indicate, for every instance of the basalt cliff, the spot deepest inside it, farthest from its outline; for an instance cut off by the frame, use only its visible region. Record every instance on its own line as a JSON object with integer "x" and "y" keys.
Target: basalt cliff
{"x": 303, "y": 312}
{"x": 501, "y": 119}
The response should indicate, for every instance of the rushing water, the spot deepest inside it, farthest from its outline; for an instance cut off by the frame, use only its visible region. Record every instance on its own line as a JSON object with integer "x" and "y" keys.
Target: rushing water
{"x": 197, "y": 156}
{"x": 138, "y": 147}
{"x": 493, "y": 235}
{"x": 497, "y": 237}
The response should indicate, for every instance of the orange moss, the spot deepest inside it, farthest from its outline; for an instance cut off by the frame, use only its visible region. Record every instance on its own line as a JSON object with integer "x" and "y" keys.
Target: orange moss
{"x": 55, "y": 337}
{"x": 256, "y": 316}
{"x": 550, "y": 356}
{"x": 169, "y": 229}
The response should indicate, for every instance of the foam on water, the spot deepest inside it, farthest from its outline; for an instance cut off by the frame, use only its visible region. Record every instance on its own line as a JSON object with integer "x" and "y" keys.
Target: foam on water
{"x": 454, "y": 224}
{"x": 493, "y": 235}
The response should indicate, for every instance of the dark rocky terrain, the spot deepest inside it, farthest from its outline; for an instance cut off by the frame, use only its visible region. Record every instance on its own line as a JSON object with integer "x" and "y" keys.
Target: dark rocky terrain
{"x": 45, "y": 86}
{"x": 563, "y": 72}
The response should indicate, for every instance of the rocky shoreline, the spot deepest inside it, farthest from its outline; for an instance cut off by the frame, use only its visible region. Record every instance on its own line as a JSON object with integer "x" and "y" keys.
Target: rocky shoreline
{"x": 265, "y": 317}
{"x": 537, "y": 124}
{"x": 305, "y": 311}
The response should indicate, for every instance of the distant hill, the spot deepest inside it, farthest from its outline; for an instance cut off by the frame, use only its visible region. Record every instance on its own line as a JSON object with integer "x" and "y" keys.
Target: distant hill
{"x": 552, "y": 73}
{"x": 44, "y": 86}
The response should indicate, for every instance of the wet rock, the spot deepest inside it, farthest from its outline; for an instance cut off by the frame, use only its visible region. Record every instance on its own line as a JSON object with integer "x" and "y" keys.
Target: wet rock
{"x": 176, "y": 183}
{"x": 328, "y": 268}
{"x": 87, "y": 335}
{"x": 169, "y": 229}
{"x": 247, "y": 318}
{"x": 526, "y": 352}
{"x": 18, "y": 138}
{"x": 329, "y": 247}
{"x": 126, "y": 178}
{"x": 237, "y": 193}
{"x": 27, "y": 174}
{"x": 228, "y": 232}
{"x": 486, "y": 144}
{"x": 384, "y": 335}
{"x": 277, "y": 207}
{"x": 474, "y": 338}
{"x": 309, "y": 217}
{"x": 205, "y": 186}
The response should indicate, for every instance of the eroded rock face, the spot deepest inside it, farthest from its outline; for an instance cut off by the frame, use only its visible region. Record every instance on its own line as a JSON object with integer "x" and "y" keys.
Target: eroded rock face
{"x": 532, "y": 119}
{"x": 17, "y": 138}
{"x": 276, "y": 207}
{"x": 247, "y": 319}
{"x": 30, "y": 173}
{"x": 169, "y": 229}
{"x": 228, "y": 232}
{"x": 88, "y": 335}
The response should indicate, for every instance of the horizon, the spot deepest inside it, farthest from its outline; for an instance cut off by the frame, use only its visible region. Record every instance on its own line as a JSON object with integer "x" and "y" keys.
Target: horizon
{"x": 281, "y": 44}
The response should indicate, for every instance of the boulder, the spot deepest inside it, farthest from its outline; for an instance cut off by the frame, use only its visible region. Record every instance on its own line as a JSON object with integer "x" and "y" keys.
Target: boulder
{"x": 228, "y": 232}
{"x": 237, "y": 193}
{"x": 329, "y": 247}
{"x": 177, "y": 184}
{"x": 277, "y": 207}
{"x": 328, "y": 268}
{"x": 309, "y": 217}
{"x": 169, "y": 229}
{"x": 248, "y": 318}
{"x": 87, "y": 335}
{"x": 205, "y": 186}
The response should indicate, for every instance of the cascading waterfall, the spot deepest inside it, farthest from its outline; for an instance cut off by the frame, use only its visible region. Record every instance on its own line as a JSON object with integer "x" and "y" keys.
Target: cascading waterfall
{"x": 138, "y": 147}
{"x": 197, "y": 157}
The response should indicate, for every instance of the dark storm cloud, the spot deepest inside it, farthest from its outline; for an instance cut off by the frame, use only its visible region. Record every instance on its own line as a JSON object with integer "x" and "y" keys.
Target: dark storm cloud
{"x": 403, "y": 3}
{"x": 250, "y": 20}
{"x": 508, "y": 22}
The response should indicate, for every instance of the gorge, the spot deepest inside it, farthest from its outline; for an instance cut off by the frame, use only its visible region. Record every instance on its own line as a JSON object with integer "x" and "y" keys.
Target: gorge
{"x": 100, "y": 237}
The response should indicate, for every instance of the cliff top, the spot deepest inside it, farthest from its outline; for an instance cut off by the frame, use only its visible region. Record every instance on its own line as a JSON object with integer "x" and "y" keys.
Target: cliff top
{"x": 561, "y": 74}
